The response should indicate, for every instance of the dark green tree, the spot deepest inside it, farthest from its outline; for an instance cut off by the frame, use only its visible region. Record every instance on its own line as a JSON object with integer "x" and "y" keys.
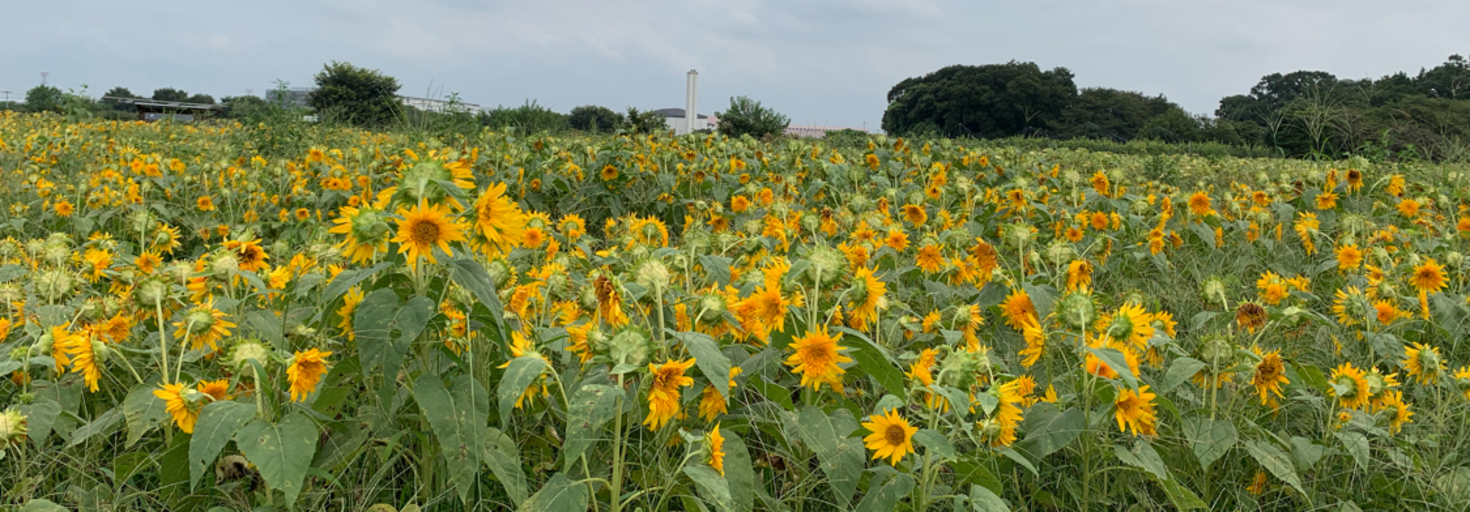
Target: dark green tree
{"x": 594, "y": 119}
{"x": 994, "y": 100}
{"x": 118, "y": 92}
{"x": 170, "y": 94}
{"x": 527, "y": 118}
{"x": 1109, "y": 114}
{"x": 358, "y": 96}
{"x": 645, "y": 122}
{"x": 747, "y": 117}
{"x": 201, "y": 98}
{"x": 43, "y": 98}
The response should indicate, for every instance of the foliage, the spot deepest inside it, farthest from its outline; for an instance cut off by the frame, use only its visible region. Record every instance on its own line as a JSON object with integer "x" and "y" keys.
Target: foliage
{"x": 994, "y": 100}
{"x": 747, "y": 117}
{"x": 646, "y": 122}
{"x": 495, "y": 320}
{"x": 43, "y": 98}
{"x": 170, "y": 94}
{"x": 354, "y": 95}
{"x": 527, "y": 118}
{"x": 594, "y": 119}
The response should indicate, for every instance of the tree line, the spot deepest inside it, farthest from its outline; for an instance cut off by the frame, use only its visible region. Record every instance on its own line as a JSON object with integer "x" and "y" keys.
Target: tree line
{"x": 1303, "y": 113}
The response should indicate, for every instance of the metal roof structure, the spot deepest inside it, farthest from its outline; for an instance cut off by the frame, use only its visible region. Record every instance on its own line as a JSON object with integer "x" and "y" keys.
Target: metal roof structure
{"x": 163, "y": 105}
{"x": 675, "y": 112}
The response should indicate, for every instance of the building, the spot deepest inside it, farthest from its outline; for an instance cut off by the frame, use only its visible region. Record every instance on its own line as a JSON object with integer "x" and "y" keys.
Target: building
{"x": 154, "y": 110}
{"x": 815, "y": 131}
{"x": 299, "y": 96}
{"x": 676, "y": 120}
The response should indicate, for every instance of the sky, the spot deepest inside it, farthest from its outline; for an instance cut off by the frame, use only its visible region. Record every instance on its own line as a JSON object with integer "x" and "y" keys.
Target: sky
{"x": 826, "y": 62}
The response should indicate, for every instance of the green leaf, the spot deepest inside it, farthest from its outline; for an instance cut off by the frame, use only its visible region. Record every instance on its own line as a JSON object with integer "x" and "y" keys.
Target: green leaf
{"x": 558, "y": 495}
{"x": 886, "y": 497}
{"x": 711, "y": 486}
{"x": 936, "y": 442}
{"x": 1181, "y": 370}
{"x": 841, "y": 457}
{"x": 983, "y": 500}
{"x": 1356, "y": 445}
{"x": 469, "y": 274}
{"x": 458, "y": 416}
{"x": 40, "y": 416}
{"x": 42, "y": 505}
{"x": 505, "y": 462}
{"x": 1211, "y": 439}
{"x": 1042, "y": 297}
{"x": 717, "y": 268}
{"x": 713, "y": 364}
{"x": 1306, "y": 453}
{"x": 1118, "y": 362}
{"x": 518, "y": 376}
{"x": 143, "y": 412}
{"x": 1144, "y": 457}
{"x": 874, "y": 361}
{"x": 772, "y": 391}
{"x": 1275, "y": 461}
{"x": 267, "y": 326}
{"x": 281, "y": 451}
{"x": 739, "y": 473}
{"x": 349, "y": 278}
{"x": 103, "y": 423}
{"x": 590, "y": 408}
{"x": 217, "y": 424}
{"x": 1047, "y": 431}
{"x": 1181, "y": 496}
{"x": 371, "y": 323}
{"x": 970, "y": 470}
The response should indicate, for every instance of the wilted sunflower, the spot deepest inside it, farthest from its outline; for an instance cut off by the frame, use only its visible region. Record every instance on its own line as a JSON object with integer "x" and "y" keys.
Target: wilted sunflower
{"x": 1000, "y": 428}
{"x": 80, "y": 350}
{"x": 869, "y": 292}
{"x": 1079, "y": 274}
{"x": 306, "y": 371}
{"x": 716, "y": 450}
{"x": 1398, "y": 410}
{"x": 1269, "y": 376}
{"x": 203, "y": 325}
{"x": 1035, "y": 341}
{"x": 663, "y": 393}
{"x": 499, "y": 220}
{"x": 1135, "y": 411}
{"x": 1250, "y": 316}
{"x": 424, "y": 227}
{"x": 1350, "y": 386}
{"x": 1423, "y": 363}
{"x": 1016, "y": 308}
{"x": 1351, "y": 306}
{"x": 609, "y": 302}
{"x": 891, "y": 436}
{"x": 816, "y": 357}
{"x": 367, "y": 232}
{"x": 250, "y": 255}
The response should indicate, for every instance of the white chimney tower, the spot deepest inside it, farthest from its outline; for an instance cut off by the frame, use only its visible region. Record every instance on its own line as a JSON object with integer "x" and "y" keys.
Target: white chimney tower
{"x": 691, "y": 97}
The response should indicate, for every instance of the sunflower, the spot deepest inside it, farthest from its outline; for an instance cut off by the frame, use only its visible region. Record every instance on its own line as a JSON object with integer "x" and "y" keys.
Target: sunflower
{"x": 572, "y": 226}
{"x": 167, "y": 239}
{"x": 716, "y": 450}
{"x": 1016, "y": 308}
{"x": 1423, "y": 363}
{"x": 1199, "y": 204}
{"x": 1250, "y": 316}
{"x": 81, "y": 352}
{"x": 148, "y": 261}
{"x": 216, "y": 389}
{"x": 609, "y": 302}
{"x": 915, "y": 214}
{"x": 1035, "y": 341}
{"x": 366, "y": 229}
{"x": 929, "y": 259}
{"x": 1398, "y": 410}
{"x": 608, "y": 172}
{"x": 1079, "y": 274}
{"x": 1269, "y": 376}
{"x": 249, "y": 253}
{"x": 1129, "y": 324}
{"x": 204, "y": 204}
{"x": 499, "y": 220}
{"x": 1350, "y": 306}
{"x": 116, "y": 329}
{"x": 766, "y": 309}
{"x": 1135, "y": 411}
{"x": 816, "y": 357}
{"x": 1350, "y": 386}
{"x": 1462, "y": 381}
{"x": 663, "y": 393}
{"x": 1000, "y": 428}
{"x": 350, "y": 300}
{"x": 424, "y": 227}
{"x": 1258, "y": 484}
{"x": 178, "y": 406}
{"x": 203, "y": 325}
{"x": 306, "y": 372}
{"x": 891, "y": 436}
{"x": 1272, "y": 288}
{"x": 869, "y": 290}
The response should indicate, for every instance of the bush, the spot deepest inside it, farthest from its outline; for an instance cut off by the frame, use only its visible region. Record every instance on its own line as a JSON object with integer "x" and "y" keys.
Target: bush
{"x": 594, "y": 119}
{"x": 527, "y": 118}
{"x": 354, "y": 95}
{"x": 645, "y": 122}
{"x": 747, "y": 117}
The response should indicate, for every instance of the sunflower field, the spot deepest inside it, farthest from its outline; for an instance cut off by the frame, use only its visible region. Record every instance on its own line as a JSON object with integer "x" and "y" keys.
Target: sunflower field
{"x": 193, "y": 320}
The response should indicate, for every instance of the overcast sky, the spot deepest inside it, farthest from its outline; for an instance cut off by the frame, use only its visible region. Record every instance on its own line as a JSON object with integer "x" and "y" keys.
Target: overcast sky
{"x": 818, "y": 61}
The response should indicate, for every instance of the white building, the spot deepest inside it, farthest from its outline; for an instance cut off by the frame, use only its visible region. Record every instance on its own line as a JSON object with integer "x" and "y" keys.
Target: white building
{"x": 298, "y": 96}
{"x": 677, "y": 121}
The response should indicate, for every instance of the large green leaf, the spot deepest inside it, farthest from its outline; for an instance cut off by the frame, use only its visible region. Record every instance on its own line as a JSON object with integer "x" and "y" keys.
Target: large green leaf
{"x": 1181, "y": 370}
{"x": 40, "y": 416}
{"x": 558, "y": 495}
{"x": 841, "y": 457}
{"x": 42, "y": 505}
{"x": 1048, "y": 431}
{"x": 505, "y": 462}
{"x": 1144, "y": 457}
{"x": 739, "y": 473}
{"x": 103, "y": 424}
{"x": 1275, "y": 461}
{"x": 280, "y": 451}
{"x": 711, "y": 486}
{"x": 713, "y": 364}
{"x": 1118, "y": 363}
{"x": 886, "y": 496}
{"x": 935, "y": 442}
{"x": 371, "y": 323}
{"x": 1356, "y": 445}
{"x": 217, "y": 424}
{"x": 983, "y": 500}
{"x": 518, "y": 376}
{"x": 142, "y": 412}
{"x": 458, "y": 416}
{"x": 349, "y": 278}
{"x": 473, "y": 277}
{"x": 591, "y": 407}
{"x": 1181, "y": 496}
{"x": 1211, "y": 439}
{"x": 874, "y": 361}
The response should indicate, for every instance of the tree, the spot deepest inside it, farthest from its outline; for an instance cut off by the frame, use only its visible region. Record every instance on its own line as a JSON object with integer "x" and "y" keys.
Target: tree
{"x": 170, "y": 94}
{"x": 43, "y": 98}
{"x": 118, "y": 92}
{"x": 594, "y": 119}
{"x": 995, "y": 100}
{"x": 527, "y": 118}
{"x": 1110, "y": 114}
{"x": 645, "y": 122}
{"x": 358, "y": 96}
{"x": 747, "y": 117}
{"x": 201, "y": 98}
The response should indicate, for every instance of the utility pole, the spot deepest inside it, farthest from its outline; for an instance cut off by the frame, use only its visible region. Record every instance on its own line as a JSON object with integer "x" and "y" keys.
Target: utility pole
{"x": 7, "y": 95}
{"x": 43, "y": 77}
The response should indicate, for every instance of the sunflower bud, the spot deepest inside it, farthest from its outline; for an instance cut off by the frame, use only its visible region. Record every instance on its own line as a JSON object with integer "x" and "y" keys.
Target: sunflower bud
{"x": 1077, "y": 309}
{"x": 1454, "y": 259}
{"x": 1018, "y": 235}
{"x": 54, "y": 285}
{"x": 499, "y": 272}
{"x": 632, "y": 346}
{"x": 12, "y": 427}
{"x": 151, "y": 292}
{"x": 654, "y": 275}
{"x": 826, "y": 265}
{"x": 226, "y": 264}
{"x": 1060, "y": 252}
{"x": 1213, "y": 290}
{"x": 1217, "y": 350}
{"x": 248, "y": 351}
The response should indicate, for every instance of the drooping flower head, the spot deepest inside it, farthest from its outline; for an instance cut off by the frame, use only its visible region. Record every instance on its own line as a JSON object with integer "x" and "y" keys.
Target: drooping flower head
{"x": 306, "y": 371}
{"x": 663, "y": 393}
